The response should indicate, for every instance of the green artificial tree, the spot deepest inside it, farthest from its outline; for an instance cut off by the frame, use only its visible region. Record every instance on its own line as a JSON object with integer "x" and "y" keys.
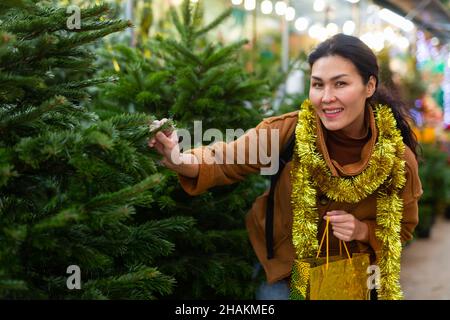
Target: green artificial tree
{"x": 434, "y": 176}
{"x": 190, "y": 78}
{"x": 412, "y": 85}
{"x": 386, "y": 75}
{"x": 71, "y": 184}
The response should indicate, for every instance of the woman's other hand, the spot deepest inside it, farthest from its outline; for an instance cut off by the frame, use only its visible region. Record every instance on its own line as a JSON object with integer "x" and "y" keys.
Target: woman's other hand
{"x": 346, "y": 227}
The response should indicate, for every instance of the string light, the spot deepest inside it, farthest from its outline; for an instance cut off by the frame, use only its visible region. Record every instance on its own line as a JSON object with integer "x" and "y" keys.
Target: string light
{"x": 389, "y": 35}
{"x": 280, "y": 8}
{"x": 434, "y": 41}
{"x": 332, "y": 29}
{"x": 348, "y": 27}
{"x": 319, "y": 5}
{"x": 395, "y": 19}
{"x": 250, "y": 5}
{"x": 290, "y": 14}
{"x": 446, "y": 89}
{"x": 403, "y": 43}
{"x": 374, "y": 40}
{"x": 266, "y": 7}
{"x": 301, "y": 24}
{"x": 317, "y": 31}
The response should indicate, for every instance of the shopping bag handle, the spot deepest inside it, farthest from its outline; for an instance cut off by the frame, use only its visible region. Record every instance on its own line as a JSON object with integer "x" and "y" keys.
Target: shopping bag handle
{"x": 325, "y": 234}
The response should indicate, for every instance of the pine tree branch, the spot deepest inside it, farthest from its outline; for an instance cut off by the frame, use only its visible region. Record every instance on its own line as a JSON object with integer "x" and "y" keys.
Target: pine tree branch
{"x": 6, "y": 169}
{"x": 9, "y": 285}
{"x": 97, "y": 25}
{"x": 81, "y": 39}
{"x": 214, "y": 23}
{"x": 140, "y": 284}
{"x": 73, "y": 63}
{"x": 210, "y": 78}
{"x": 224, "y": 55}
{"x": 75, "y": 59}
{"x": 12, "y": 4}
{"x": 59, "y": 220}
{"x": 109, "y": 216}
{"x": 149, "y": 242}
{"x": 33, "y": 151}
{"x": 197, "y": 16}
{"x": 31, "y": 114}
{"x": 176, "y": 21}
{"x": 181, "y": 49}
{"x": 84, "y": 84}
{"x": 73, "y": 95}
{"x": 95, "y": 11}
{"x": 126, "y": 195}
{"x": 125, "y": 121}
{"x": 14, "y": 86}
{"x": 50, "y": 20}
{"x": 186, "y": 11}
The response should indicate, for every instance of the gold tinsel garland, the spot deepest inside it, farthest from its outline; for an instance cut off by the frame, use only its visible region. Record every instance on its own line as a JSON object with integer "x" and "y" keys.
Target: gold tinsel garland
{"x": 385, "y": 174}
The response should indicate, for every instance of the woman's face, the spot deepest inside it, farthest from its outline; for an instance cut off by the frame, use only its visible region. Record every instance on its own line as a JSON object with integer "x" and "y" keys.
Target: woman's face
{"x": 338, "y": 94}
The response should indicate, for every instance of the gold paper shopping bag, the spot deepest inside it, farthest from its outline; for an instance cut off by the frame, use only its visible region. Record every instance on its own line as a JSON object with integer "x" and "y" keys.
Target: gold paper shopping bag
{"x": 330, "y": 278}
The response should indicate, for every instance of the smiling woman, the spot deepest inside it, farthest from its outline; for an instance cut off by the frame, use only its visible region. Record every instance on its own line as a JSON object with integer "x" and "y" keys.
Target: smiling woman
{"x": 339, "y": 94}
{"x": 350, "y": 83}
{"x": 349, "y": 160}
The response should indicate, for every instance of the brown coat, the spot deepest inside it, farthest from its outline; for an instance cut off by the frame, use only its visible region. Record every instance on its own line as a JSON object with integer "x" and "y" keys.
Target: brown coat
{"x": 279, "y": 267}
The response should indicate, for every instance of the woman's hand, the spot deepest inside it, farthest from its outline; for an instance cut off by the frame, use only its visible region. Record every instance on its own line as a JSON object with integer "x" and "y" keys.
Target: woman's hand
{"x": 166, "y": 144}
{"x": 346, "y": 227}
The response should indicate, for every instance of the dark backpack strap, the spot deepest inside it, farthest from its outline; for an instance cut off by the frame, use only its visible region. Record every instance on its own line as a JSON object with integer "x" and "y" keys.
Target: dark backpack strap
{"x": 285, "y": 157}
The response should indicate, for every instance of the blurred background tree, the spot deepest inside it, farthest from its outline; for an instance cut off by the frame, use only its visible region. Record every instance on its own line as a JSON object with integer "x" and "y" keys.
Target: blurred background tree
{"x": 189, "y": 78}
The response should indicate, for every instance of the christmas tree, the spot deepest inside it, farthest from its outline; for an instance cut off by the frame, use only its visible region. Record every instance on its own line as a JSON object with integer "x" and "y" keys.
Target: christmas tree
{"x": 71, "y": 183}
{"x": 189, "y": 78}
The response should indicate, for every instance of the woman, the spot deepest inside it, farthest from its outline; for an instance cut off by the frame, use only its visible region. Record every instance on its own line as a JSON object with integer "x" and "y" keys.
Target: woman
{"x": 354, "y": 163}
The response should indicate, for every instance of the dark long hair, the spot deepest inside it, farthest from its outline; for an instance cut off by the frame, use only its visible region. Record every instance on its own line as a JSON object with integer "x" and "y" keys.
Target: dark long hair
{"x": 365, "y": 61}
